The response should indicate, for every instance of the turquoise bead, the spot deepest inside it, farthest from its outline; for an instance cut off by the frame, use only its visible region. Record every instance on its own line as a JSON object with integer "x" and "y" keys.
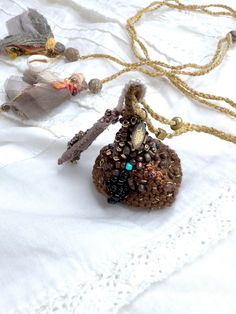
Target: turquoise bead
{"x": 128, "y": 166}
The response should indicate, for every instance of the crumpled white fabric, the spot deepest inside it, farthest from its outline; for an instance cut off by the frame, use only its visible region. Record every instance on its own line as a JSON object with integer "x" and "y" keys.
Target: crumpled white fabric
{"x": 63, "y": 248}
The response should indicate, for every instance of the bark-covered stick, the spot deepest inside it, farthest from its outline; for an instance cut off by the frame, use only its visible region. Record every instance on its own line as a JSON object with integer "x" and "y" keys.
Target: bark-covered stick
{"x": 85, "y": 140}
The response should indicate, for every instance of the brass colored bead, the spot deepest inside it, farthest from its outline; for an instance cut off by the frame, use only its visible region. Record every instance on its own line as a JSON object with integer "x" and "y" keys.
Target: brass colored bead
{"x": 59, "y": 48}
{"x": 118, "y": 149}
{"x": 125, "y": 124}
{"x": 116, "y": 158}
{"x": 133, "y": 120}
{"x": 95, "y": 86}
{"x": 146, "y": 147}
{"x": 178, "y": 123}
{"x": 161, "y": 134}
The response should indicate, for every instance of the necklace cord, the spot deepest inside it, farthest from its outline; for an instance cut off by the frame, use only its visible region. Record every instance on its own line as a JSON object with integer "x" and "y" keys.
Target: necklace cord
{"x": 156, "y": 68}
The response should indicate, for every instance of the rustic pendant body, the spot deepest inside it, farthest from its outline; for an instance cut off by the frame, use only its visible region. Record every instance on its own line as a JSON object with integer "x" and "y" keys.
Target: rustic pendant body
{"x": 148, "y": 176}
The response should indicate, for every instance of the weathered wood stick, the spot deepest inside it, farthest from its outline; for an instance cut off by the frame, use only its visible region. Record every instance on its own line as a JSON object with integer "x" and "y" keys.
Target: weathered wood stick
{"x": 81, "y": 141}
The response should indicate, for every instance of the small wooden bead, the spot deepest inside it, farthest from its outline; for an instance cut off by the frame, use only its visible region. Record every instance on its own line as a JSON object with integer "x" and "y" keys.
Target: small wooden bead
{"x": 178, "y": 122}
{"x": 95, "y": 86}
{"x": 59, "y": 48}
{"x": 71, "y": 54}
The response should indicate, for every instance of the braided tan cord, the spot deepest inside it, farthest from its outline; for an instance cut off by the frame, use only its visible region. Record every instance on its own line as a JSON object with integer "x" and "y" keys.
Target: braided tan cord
{"x": 186, "y": 127}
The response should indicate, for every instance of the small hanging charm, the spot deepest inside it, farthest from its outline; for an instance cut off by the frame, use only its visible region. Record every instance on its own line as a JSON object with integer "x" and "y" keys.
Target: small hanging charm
{"x": 30, "y": 33}
{"x": 39, "y": 91}
{"x": 136, "y": 169}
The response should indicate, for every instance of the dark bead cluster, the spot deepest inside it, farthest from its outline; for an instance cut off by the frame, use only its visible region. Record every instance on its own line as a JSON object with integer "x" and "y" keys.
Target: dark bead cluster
{"x": 123, "y": 159}
{"x": 118, "y": 187}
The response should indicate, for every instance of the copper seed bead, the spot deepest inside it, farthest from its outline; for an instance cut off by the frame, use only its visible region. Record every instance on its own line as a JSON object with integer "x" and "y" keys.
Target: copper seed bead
{"x": 71, "y": 54}
{"x": 95, "y": 86}
{"x": 178, "y": 123}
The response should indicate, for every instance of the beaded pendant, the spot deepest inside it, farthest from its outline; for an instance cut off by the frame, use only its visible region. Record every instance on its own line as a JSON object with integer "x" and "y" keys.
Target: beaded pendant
{"x": 136, "y": 169}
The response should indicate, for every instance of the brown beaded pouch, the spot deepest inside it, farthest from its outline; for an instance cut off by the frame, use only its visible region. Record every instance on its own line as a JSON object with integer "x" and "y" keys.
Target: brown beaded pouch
{"x": 135, "y": 169}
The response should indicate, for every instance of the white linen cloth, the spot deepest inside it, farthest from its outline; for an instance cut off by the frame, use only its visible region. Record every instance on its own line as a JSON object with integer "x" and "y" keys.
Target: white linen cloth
{"x": 63, "y": 248}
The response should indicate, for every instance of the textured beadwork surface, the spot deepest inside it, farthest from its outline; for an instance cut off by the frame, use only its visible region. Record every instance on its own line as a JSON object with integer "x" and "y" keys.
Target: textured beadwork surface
{"x": 63, "y": 248}
{"x": 155, "y": 187}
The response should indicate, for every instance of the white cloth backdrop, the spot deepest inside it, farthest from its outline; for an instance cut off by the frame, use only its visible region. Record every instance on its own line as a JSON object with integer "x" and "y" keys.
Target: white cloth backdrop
{"x": 63, "y": 249}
